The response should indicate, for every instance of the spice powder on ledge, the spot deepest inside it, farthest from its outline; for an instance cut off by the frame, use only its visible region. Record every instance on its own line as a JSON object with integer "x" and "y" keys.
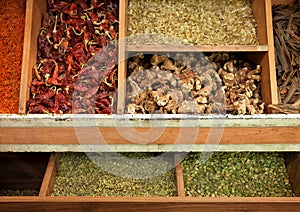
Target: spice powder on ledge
{"x": 12, "y": 21}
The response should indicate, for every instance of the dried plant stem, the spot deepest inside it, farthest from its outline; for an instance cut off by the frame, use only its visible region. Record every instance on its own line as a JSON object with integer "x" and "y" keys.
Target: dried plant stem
{"x": 286, "y": 22}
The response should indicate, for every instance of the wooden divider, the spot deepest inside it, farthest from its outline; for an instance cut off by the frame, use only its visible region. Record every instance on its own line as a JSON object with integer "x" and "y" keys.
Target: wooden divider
{"x": 293, "y": 168}
{"x": 35, "y": 10}
{"x": 261, "y": 11}
{"x": 50, "y": 175}
{"x": 45, "y": 202}
{"x": 270, "y": 76}
{"x": 179, "y": 181}
{"x": 132, "y": 204}
{"x": 292, "y": 161}
{"x": 53, "y": 164}
{"x": 121, "y": 95}
{"x": 275, "y": 2}
{"x": 261, "y": 54}
{"x": 69, "y": 136}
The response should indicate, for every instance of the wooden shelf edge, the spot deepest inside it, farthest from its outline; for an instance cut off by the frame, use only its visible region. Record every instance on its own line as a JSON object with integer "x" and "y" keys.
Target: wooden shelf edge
{"x": 148, "y": 204}
{"x": 147, "y": 120}
{"x": 150, "y": 148}
{"x": 271, "y": 56}
{"x": 179, "y": 177}
{"x": 151, "y": 199}
{"x": 121, "y": 95}
{"x": 293, "y": 168}
{"x": 145, "y": 136}
{"x": 50, "y": 174}
{"x": 25, "y": 81}
{"x": 204, "y": 48}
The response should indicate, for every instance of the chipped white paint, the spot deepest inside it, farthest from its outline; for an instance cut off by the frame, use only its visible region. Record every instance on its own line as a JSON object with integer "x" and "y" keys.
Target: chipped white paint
{"x": 150, "y": 148}
{"x": 43, "y": 120}
{"x": 91, "y": 120}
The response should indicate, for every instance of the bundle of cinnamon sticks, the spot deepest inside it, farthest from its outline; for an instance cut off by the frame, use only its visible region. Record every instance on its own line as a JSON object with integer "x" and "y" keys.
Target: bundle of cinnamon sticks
{"x": 286, "y": 26}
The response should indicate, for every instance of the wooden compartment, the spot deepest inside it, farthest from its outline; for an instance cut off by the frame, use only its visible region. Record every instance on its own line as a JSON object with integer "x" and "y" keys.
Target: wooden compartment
{"x": 12, "y": 18}
{"x": 261, "y": 11}
{"x": 53, "y": 167}
{"x": 260, "y": 14}
{"x": 22, "y": 171}
{"x": 35, "y": 11}
{"x": 285, "y": 106}
{"x": 180, "y": 203}
{"x": 261, "y": 54}
{"x": 18, "y": 131}
{"x": 292, "y": 161}
{"x": 255, "y": 58}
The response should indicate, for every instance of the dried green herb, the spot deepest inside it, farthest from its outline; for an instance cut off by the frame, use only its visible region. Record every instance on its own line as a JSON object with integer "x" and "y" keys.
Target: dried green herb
{"x": 237, "y": 174}
{"x": 193, "y": 22}
{"x": 17, "y": 192}
{"x": 78, "y": 175}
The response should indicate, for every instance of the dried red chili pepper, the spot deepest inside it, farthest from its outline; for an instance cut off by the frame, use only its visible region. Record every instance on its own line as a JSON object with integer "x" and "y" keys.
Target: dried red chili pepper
{"x": 73, "y": 10}
{"x": 94, "y": 18}
{"x": 111, "y": 18}
{"x": 54, "y": 80}
{"x": 47, "y": 95}
{"x": 112, "y": 32}
{"x": 83, "y": 5}
{"x": 38, "y": 109}
{"x": 79, "y": 53}
{"x": 36, "y": 73}
{"x": 61, "y": 5}
{"x": 73, "y": 32}
{"x": 75, "y": 22}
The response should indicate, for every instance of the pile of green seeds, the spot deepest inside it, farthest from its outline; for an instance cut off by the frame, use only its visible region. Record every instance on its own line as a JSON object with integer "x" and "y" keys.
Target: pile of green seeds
{"x": 78, "y": 175}
{"x": 240, "y": 174}
{"x": 17, "y": 192}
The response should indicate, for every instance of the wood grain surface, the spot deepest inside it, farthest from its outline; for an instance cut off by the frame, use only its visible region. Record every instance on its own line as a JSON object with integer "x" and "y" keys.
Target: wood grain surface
{"x": 270, "y": 135}
{"x": 177, "y": 204}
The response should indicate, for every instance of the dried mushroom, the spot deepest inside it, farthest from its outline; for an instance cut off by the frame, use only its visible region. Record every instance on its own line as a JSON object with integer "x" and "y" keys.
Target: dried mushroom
{"x": 193, "y": 84}
{"x": 193, "y": 22}
{"x": 160, "y": 84}
{"x": 241, "y": 84}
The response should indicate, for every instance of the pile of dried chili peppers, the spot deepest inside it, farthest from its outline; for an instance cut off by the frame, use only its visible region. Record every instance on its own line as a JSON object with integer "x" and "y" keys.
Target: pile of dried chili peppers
{"x": 76, "y": 71}
{"x": 12, "y": 16}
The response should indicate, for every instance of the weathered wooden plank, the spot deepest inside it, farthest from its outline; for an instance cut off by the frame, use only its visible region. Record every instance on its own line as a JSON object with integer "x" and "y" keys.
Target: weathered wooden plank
{"x": 104, "y": 136}
{"x": 271, "y": 74}
{"x": 148, "y": 204}
{"x": 149, "y": 121}
{"x": 150, "y": 148}
{"x": 202, "y": 48}
{"x": 34, "y": 12}
{"x": 276, "y": 2}
{"x": 122, "y": 69}
{"x": 179, "y": 180}
{"x": 50, "y": 174}
{"x": 293, "y": 168}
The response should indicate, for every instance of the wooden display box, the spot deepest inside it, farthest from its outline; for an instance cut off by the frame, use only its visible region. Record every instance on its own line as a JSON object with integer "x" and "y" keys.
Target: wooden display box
{"x": 46, "y": 202}
{"x": 49, "y": 132}
{"x": 22, "y": 171}
{"x": 59, "y": 130}
{"x": 261, "y": 54}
